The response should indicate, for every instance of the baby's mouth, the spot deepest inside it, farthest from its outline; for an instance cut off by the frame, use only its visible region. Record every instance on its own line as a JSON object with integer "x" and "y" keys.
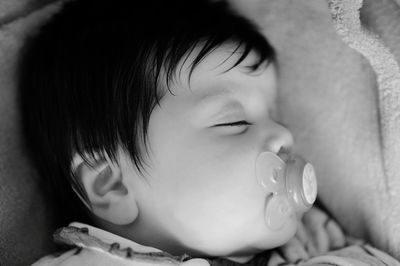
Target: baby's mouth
{"x": 283, "y": 155}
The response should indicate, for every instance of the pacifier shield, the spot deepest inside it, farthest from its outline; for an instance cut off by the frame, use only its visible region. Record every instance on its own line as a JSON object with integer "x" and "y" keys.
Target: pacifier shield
{"x": 290, "y": 185}
{"x": 277, "y": 213}
{"x": 270, "y": 171}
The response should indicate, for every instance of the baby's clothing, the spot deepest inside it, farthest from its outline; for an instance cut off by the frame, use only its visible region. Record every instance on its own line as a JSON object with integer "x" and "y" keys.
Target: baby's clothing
{"x": 318, "y": 241}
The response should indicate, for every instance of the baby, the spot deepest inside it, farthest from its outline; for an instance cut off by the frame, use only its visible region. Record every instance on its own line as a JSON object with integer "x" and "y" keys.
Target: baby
{"x": 160, "y": 118}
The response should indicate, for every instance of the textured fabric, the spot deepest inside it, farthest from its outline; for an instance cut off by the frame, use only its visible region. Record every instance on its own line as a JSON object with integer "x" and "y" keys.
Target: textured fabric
{"x": 384, "y": 20}
{"x": 319, "y": 241}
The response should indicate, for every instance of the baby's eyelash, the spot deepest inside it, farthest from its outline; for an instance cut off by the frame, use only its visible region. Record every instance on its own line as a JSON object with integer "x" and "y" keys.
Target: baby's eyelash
{"x": 237, "y": 123}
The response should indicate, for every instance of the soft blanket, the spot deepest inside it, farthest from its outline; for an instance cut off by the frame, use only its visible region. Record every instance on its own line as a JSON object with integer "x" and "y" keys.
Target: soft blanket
{"x": 348, "y": 25}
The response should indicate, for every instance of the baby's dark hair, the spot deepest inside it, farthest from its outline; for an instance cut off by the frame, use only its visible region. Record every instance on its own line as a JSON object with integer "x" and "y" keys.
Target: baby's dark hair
{"x": 89, "y": 78}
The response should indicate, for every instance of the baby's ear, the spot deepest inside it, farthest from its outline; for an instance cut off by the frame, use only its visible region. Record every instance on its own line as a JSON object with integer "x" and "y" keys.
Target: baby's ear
{"x": 110, "y": 197}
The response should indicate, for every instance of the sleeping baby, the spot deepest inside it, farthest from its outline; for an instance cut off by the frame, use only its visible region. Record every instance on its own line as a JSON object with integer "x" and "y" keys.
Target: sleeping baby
{"x": 160, "y": 118}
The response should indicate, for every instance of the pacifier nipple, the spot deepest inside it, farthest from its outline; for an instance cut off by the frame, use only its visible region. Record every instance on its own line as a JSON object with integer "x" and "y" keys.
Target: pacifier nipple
{"x": 291, "y": 187}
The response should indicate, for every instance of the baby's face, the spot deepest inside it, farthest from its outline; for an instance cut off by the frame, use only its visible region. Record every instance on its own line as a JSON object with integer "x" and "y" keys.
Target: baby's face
{"x": 200, "y": 193}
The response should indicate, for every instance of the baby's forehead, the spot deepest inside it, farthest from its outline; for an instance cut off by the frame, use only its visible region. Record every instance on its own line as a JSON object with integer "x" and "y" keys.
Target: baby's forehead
{"x": 217, "y": 79}
{"x": 223, "y": 58}
{"x": 227, "y": 58}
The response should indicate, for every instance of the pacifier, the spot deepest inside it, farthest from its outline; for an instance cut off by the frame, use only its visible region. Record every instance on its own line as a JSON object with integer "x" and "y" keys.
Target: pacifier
{"x": 291, "y": 186}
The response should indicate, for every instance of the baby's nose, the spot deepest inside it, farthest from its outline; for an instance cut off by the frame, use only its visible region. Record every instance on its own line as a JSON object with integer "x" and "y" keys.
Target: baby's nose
{"x": 278, "y": 138}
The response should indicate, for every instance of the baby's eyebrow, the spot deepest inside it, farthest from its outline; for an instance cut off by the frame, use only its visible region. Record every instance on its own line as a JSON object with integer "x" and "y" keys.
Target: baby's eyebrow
{"x": 215, "y": 96}
{"x": 215, "y": 93}
{"x": 218, "y": 101}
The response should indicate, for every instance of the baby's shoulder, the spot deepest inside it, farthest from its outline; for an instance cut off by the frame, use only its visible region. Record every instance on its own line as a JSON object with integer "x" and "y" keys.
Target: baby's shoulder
{"x": 319, "y": 241}
{"x": 93, "y": 246}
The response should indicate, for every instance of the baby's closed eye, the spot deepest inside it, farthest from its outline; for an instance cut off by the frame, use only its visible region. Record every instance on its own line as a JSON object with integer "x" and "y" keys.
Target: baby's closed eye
{"x": 234, "y": 127}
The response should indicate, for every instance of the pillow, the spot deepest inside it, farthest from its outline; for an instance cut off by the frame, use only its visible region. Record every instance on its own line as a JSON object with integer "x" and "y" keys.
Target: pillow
{"x": 26, "y": 222}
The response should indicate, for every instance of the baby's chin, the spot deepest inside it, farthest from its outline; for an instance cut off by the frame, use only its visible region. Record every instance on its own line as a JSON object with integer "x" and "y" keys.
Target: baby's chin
{"x": 246, "y": 247}
{"x": 275, "y": 239}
